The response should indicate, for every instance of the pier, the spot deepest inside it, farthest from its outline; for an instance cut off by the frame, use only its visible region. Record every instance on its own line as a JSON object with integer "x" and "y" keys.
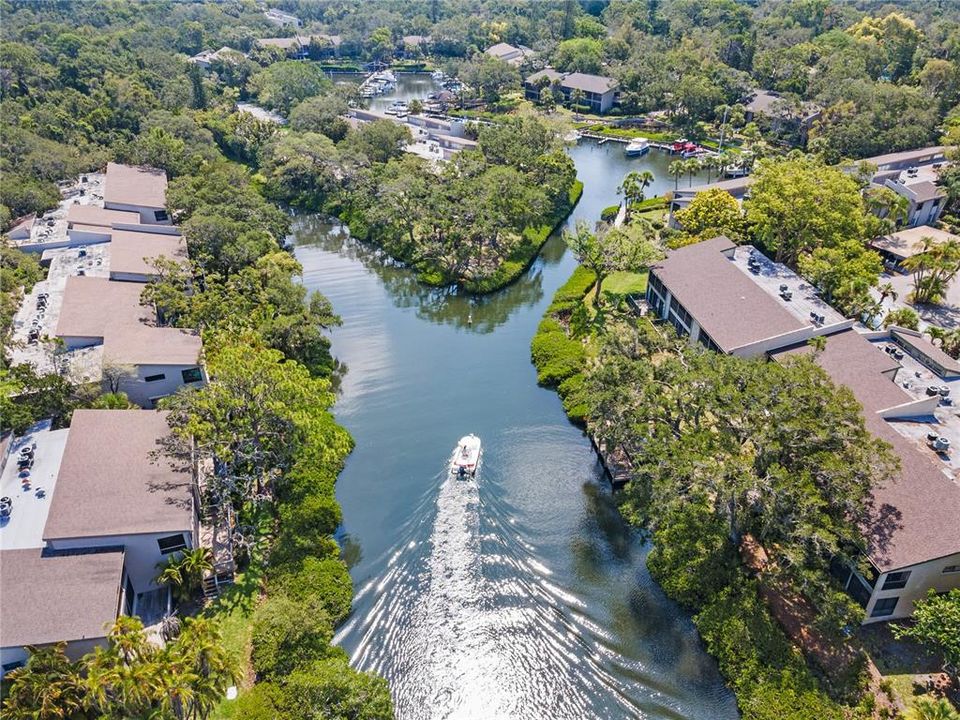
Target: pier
{"x": 616, "y": 463}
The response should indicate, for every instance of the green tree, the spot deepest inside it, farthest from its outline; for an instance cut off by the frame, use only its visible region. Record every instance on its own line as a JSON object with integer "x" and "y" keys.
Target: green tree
{"x": 379, "y": 140}
{"x": 634, "y": 184}
{"x": 184, "y": 572}
{"x": 583, "y": 55}
{"x": 936, "y": 622}
{"x": 933, "y": 269}
{"x": 844, "y": 273}
{"x": 288, "y": 634}
{"x": 491, "y": 76}
{"x": 712, "y": 212}
{"x": 902, "y": 317}
{"x": 611, "y": 249}
{"x": 284, "y": 84}
{"x": 799, "y": 204}
{"x": 927, "y": 709}
{"x": 322, "y": 114}
{"x": 49, "y": 687}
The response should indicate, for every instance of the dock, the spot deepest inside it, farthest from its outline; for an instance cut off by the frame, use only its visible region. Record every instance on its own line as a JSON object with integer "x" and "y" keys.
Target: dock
{"x": 665, "y": 147}
{"x": 616, "y": 463}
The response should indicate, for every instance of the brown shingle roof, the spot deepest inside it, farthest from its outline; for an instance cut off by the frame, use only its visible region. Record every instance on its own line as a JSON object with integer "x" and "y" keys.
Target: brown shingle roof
{"x": 58, "y": 597}
{"x": 852, "y": 360}
{"x": 732, "y": 309}
{"x": 909, "y": 242}
{"x": 112, "y": 481}
{"x": 138, "y": 186}
{"x": 915, "y": 513}
{"x": 589, "y": 83}
{"x": 919, "y": 343}
{"x": 100, "y": 308}
{"x": 100, "y": 217}
{"x": 128, "y": 250}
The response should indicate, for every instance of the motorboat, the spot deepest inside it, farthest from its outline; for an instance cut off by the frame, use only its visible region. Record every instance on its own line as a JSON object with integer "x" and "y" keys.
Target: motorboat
{"x": 466, "y": 458}
{"x": 637, "y": 146}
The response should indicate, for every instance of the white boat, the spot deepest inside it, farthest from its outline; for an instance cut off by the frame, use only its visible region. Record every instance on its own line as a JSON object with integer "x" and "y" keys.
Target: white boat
{"x": 466, "y": 458}
{"x": 637, "y": 146}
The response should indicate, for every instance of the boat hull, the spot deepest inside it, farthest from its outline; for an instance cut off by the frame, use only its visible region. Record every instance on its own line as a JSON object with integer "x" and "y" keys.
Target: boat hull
{"x": 466, "y": 457}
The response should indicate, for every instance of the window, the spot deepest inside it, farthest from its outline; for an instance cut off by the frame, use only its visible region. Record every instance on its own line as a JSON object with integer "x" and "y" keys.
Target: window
{"x": 7, "y": 667}
{"x": 192, "y": 375}
{"x": 171, "y": 543}
{"x": 884, "y": 607}
{"x": 154, "y": 378}
{"x": 951, "y": 569}
{"x": 896, "y": 580}
{"x": 160, "y": 215}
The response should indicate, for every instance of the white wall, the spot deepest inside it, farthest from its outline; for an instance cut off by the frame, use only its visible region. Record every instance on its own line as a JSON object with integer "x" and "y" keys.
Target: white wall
{"x": 141, "y": 553}
{"x": 144, "y": 393}
{"x": 146, "y": 213}
{"x": 923, "y": 577}
{"x": 75, "y": 650}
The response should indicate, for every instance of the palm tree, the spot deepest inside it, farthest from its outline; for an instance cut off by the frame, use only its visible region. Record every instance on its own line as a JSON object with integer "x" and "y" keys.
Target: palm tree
{"x": 184, "y": 571}
{"x": 48, "y": 686}
{"x": 675, "y": 170}
{"x": 633, "y": 186}
{"x": 692, "y": 167}
{"x": 576, "y": 98}
{"x": 888, "y": 291}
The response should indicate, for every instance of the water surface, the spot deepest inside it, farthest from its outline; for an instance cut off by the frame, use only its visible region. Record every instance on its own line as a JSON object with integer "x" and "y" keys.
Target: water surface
{"x": 520, "y": 595}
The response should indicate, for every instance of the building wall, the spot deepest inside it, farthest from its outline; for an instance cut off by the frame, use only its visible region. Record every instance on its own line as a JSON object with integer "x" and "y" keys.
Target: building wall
{"x": 923, "y": 577}
{"x": 141, "y": 553}
{"x": 147, "y": 216}
{"x": 144, "y": 393}
{"x": 75, "y": 650}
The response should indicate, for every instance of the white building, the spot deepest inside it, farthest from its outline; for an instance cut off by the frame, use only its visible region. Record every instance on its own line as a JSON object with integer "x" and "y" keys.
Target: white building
{"x": 731, "y": 299}
{"x": 136, "y": 189}
{"x": 143, "y": 360}
{"x": 107, "y": 500}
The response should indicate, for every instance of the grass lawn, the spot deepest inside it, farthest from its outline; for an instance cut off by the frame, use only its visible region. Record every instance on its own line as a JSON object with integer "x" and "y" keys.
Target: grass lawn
{"x": 234, "y": 611}
{"x": 616, "y": 286}
{"x": 652, "y": 215}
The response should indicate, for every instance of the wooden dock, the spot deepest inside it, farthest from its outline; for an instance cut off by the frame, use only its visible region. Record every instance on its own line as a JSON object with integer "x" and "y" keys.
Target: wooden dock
{"x": 616, "y": 463}
{"x": 665, "y": 147}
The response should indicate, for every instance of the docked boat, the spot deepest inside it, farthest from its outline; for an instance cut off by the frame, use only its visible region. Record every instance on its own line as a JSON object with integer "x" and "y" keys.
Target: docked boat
{"x": 466, "y": 458}
{"x": 637, "y": 146}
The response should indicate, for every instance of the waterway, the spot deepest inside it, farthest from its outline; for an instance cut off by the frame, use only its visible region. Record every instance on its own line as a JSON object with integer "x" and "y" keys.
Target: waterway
{"x": 520, "y": 595}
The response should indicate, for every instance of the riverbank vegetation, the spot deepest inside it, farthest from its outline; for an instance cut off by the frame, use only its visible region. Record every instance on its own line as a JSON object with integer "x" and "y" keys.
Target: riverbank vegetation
{"x": 263, "y": 421}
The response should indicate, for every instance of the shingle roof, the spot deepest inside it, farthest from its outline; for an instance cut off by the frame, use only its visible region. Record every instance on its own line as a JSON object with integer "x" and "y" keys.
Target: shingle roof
{"x": 139, "y": 186}
{"x": 914, "y": 514}
{"x": 926, "y": 190}
{"x": 58, "y": 597}
{"x": 919, "y": 343}
{"x": 284, "y": 43}
{"x": 589, "y": 83}
{"x": 114, "y": 479}
{"x": 100, "y": 217}
{"x": 96, "y": 307}
{"x": 129, "y": 249}
{"x": 732, "y": 309}
{"x": 548, "y": 73}
{"x": 909, "y": 242}
{"x": 907, "y": 156}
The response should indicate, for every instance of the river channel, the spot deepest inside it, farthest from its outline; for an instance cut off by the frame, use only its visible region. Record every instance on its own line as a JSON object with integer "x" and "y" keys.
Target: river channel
{"x": 520, "y": 595}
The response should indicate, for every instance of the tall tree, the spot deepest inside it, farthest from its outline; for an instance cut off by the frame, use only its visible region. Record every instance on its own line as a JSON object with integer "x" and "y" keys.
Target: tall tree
{"x": 611, "y": 249}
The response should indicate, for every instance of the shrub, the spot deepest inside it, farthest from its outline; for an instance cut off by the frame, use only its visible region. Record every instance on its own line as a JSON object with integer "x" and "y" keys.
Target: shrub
{"x": 305, "y": 528}
{"x": 288, "y": 633}
{"x": 692, "y": 558}
{"x": 555, "y": 356}
{"x": 572, "y": 291}
{"x": 609, "y": 214}
{"x": 332, "y": 689}
{"x": 321, "y": 580}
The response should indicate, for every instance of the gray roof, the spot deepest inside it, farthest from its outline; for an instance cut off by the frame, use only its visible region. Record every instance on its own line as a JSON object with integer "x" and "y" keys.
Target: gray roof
{"x": 133, "y": 252}
{"x": 920, "y": 155}
{"x": 139, "y": 186}
{"x": 926, "y": 348}
{"x": 589, "y": 83}
{"x": 926, "y": 190}
{"x": 548, "y": 73}
{"x": 732, "y": 309}
{"x": 58, "y": 597}
{"x": 914, "y": 515}
{"x": 909, "y": 241}
{"x": 115, "y": 480}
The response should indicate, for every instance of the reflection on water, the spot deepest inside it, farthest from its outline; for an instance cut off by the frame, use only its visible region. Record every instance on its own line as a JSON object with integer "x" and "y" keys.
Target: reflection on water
{"x": 520, "y": 595}
{"x": 447, "y": 305}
